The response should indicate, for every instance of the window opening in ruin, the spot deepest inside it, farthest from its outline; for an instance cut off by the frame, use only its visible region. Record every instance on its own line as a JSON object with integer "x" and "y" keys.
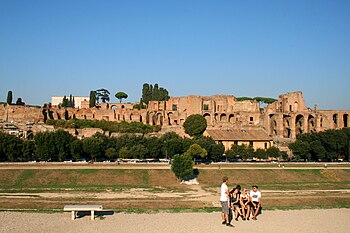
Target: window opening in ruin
{"x": 321, "y": 121}
{"x": 206, "y": 107}
{"x": 174, "y": 107}
{"x": 335, "y": 119}
{"x": 251, "y": 119}
{"x": 235, "y": 142}
{"x": 251, "y": 143}
{"x": 265, "y": 145}
{"x": 290, "y": 108}
{"x": 345, "y": 120}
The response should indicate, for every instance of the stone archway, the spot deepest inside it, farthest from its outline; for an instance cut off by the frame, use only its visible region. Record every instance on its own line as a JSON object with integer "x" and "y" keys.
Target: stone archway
{"x": 311, "y": 124}
{"x": 231, "y": 118}
{"x": 207, "y": 117}
{"x": 273, "y": 125}
{"x": 170, "y": 118}
{"x": 287, "y": 126}
{"x": 223, "y": 118}
{"x": 299, "y": 124}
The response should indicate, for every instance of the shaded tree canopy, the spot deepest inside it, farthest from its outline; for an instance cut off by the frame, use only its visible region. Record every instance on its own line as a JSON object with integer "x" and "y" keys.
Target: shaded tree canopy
{"x": 103, "y": 95}
{"x": 157, "y": 93}
{"x": 195, "y": 125}
{"x": 92, "y": 100}
{"x": 258, "y": 98}
{"x": 9, "y": 97}
{"x": 121, "y": 95}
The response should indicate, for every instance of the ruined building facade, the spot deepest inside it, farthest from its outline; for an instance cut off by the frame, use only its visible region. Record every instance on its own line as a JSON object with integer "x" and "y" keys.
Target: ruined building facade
{"x": 282, "y": 120}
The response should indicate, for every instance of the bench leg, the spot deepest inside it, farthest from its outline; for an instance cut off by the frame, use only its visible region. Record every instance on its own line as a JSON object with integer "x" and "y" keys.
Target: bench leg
{"x": 73, "y": 215}
{"x": 92, "y": 214}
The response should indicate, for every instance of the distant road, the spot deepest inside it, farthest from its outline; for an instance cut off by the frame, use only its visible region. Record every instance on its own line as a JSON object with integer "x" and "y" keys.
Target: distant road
{"x": 223, "y": 166}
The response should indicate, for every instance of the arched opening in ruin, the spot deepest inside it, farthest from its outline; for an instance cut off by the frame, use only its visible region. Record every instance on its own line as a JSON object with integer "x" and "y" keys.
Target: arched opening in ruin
{"x": 346, "y": 120}
{"x": 231, "y": 118}
{"x": 140, "y": 118}
{"x": 130, "y": 117}
{"x": 216, "y": 117}
{"x": 335, "y": 120}
{"x": 159, "y": 119}
{"x": 123, "y": 106}
{"x": 287, "y": 133}
{"x": 207, "y": 118}
{"x": 321, "y": 122}
{"x": 311, "y": 123}
{"x": 286, "y": 121}
{"x": 223, "y": 118}
{"x": 299, "y": 124}
{"x": 170, "y": 118}
{"x": 273, "y": 125}
{"x": 114, "y": 107}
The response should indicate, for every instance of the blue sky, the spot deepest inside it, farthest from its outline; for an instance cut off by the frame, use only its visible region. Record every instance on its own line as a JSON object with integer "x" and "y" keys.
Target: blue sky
{"x": 190, "y": 47}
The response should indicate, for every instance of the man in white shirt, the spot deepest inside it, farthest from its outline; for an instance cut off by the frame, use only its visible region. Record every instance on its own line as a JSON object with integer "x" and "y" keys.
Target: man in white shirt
{"x": 224, "y": 197}
{"x": 255, "y": 196}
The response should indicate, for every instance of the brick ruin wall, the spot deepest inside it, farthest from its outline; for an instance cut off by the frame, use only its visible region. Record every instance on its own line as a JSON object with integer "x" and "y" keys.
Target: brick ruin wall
{"x": 283, "y": 120}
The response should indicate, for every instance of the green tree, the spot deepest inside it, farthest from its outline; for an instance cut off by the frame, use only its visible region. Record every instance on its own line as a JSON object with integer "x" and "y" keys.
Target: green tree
{"x": 182, "y": 166}
{"x": 111, "y": 153}
{"x": 9, "y": 97}
{"x": 196, "y": 150}
{"x": 318, "y": 152}
{"x": 92, "y": 147}
{"x": 146, "y": 93}
{"x": 28, "y": 150}
{"x": 138, "y": 151}
{"x": 124, "y": 152}
{"x": 195, "y": 125}
{"x": 10, "y": 147}
{"x": 62, "y": 140}
{"x": 216, "y": 151}
{"x": 92, "y": 100}
{"x": 273, "y": 152}
{"x": 243, "y": 151}
{"x": 76, "y": 149}
{"x": 102, "y": 94}
{"x": 20, "y": 102}
{"x": 300, "y": 149}
{"x": 154, "y": 147}
{"x": 121, "y": 95}
{"x": 260, "y": 154}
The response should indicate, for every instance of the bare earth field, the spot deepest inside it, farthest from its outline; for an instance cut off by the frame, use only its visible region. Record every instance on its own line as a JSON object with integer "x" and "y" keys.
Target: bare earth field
{"x": 318, "y": 221}
{"x": 154, "y": 187}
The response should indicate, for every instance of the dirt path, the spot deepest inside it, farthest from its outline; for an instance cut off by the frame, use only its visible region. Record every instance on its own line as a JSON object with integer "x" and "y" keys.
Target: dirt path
{"x": 320, "y": 221}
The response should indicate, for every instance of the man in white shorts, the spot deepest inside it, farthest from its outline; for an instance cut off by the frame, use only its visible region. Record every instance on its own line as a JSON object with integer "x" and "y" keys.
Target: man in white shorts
{"x": 255, "y": 196}
{"x": 224, "y": 197}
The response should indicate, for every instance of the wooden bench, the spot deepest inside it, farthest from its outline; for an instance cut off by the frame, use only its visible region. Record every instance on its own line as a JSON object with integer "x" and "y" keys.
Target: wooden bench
{"x": 76, "y": 208}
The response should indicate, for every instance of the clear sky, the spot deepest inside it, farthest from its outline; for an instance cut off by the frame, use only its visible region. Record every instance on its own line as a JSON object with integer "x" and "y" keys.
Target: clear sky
{"x": 190, "y": 47}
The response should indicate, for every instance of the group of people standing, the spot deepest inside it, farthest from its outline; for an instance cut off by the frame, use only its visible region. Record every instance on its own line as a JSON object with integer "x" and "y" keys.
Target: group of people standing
{"x": 242, "y": 204}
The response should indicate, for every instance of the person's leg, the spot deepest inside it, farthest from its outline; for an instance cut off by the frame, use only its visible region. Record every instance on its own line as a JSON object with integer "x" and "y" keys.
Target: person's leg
{"x": 248, "y": 212}
{"x": 236, "y": 213}
{"x": 223, "y": 213}
{"x": 243, "y": 211}
{"x": 256, "y": 211}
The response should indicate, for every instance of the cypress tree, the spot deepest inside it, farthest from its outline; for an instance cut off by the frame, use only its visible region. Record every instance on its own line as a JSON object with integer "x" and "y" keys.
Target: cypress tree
{"x": 9, "y": 97}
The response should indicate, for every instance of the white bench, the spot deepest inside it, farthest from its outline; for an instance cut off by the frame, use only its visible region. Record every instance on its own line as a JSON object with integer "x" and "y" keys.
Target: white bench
{"x": 76, "y": 208}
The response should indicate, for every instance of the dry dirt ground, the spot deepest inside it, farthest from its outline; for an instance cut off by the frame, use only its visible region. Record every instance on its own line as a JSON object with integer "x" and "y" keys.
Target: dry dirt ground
{"x": 318, "y": 221}
{"x": 186, "y": 196}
